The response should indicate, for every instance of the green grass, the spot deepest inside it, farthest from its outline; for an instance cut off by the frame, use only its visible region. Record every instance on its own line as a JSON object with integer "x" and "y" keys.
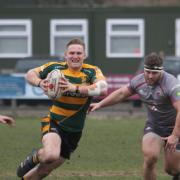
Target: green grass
{"x": 109, "y": 150}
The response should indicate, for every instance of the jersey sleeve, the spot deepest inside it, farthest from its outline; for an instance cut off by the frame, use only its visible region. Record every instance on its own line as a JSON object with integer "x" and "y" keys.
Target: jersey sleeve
{"x": 46, "y": 68}
{"x": 175, "y": 93}
{"x": 133, "y": 84}
{"x": 98, "y": 75}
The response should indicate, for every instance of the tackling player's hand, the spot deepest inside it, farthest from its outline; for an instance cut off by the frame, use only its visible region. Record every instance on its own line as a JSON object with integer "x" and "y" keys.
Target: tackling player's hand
{"x": 171, "y": 143}
{"x": 93, "y": 107}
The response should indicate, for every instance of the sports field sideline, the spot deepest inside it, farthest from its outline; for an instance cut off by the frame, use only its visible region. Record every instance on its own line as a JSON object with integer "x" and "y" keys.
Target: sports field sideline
{"x": 124, "y": 109}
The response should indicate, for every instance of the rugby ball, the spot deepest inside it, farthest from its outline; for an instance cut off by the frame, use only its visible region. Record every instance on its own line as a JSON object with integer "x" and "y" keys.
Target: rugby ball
{"x": 54, "y": 77}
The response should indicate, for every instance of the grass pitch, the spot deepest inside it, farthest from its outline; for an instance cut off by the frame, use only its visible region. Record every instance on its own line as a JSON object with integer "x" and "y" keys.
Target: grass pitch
{"x": 110, "y": 149}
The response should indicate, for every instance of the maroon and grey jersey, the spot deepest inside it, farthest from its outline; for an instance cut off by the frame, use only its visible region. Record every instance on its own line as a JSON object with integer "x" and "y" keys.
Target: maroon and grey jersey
{"x": 158, "y": 98}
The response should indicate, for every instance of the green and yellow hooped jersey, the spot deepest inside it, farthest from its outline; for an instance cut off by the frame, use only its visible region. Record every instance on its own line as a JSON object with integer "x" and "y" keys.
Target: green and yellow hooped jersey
{"x": 69, "y": 111}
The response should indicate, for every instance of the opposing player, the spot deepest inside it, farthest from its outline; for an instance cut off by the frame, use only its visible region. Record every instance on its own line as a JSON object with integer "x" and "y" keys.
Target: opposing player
{"x": 7, "y": 120}
{"x": 160, "y": 92}
{"x": 62, "y": 128}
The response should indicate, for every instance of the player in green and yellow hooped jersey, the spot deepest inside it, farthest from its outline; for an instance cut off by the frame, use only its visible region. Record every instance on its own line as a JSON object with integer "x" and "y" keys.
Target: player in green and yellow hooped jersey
{"x": 62, "y": 128}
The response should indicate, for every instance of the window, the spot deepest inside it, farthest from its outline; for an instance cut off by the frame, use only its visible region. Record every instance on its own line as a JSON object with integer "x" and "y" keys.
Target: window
{"x": 64, "y": 30}
{"x": 177, "y": 36}
{"x": 125, "y": 38}
{"x": 15, "y": 38}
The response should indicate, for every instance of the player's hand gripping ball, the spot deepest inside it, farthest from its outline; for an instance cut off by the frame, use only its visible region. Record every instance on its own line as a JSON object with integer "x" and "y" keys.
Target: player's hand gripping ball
{"x": 54, "y": 78}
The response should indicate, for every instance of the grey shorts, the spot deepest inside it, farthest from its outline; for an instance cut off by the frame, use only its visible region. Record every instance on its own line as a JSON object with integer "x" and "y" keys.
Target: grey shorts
{"x": 161, "y": 131}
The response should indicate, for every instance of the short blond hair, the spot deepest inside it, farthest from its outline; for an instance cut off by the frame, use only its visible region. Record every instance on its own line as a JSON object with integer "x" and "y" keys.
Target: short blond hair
{"x": 76, "y": 41}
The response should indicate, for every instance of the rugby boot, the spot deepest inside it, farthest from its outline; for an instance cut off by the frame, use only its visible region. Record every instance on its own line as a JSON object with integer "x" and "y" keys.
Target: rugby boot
{"x": 26, "y": 165}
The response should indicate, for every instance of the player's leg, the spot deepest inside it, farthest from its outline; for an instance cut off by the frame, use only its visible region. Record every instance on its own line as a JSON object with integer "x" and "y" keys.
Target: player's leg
{"x": 151, "y": 147}
{"x": 172, "y": 163}
{"x": 50, "y": 152}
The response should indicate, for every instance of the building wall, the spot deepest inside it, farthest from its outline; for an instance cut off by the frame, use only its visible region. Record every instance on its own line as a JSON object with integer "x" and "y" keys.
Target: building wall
{"x": 159, "y": 32}
{"x": 89, "y": 3}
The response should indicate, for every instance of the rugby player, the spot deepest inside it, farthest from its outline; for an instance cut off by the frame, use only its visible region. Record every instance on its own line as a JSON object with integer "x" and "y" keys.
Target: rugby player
{"x": 160, "y": 91}
{"x": 62, "y": 128}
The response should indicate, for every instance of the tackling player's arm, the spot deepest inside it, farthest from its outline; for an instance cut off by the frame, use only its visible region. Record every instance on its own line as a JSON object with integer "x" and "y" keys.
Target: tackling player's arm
{"x": 115, "y": 97}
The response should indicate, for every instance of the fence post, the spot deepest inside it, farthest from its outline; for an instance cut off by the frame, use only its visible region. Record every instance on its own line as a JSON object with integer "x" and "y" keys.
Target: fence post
{"x": 14, "y": 107}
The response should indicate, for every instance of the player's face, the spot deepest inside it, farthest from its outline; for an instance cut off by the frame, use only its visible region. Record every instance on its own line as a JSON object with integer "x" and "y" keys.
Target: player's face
{"x": 152, "y": 77}
{"x": 75, "y": 56}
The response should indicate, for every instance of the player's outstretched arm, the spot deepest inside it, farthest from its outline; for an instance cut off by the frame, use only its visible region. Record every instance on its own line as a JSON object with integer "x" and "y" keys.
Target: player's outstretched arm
{"x": 115, "y": 97}
{"x": 7, "y": 120}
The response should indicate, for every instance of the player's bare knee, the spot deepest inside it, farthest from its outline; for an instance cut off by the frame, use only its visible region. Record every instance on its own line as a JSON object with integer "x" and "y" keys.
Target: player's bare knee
{"x": 48, "y": 156}
{"x": 51, "y": 158}
{"x": 150, "y": 159}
